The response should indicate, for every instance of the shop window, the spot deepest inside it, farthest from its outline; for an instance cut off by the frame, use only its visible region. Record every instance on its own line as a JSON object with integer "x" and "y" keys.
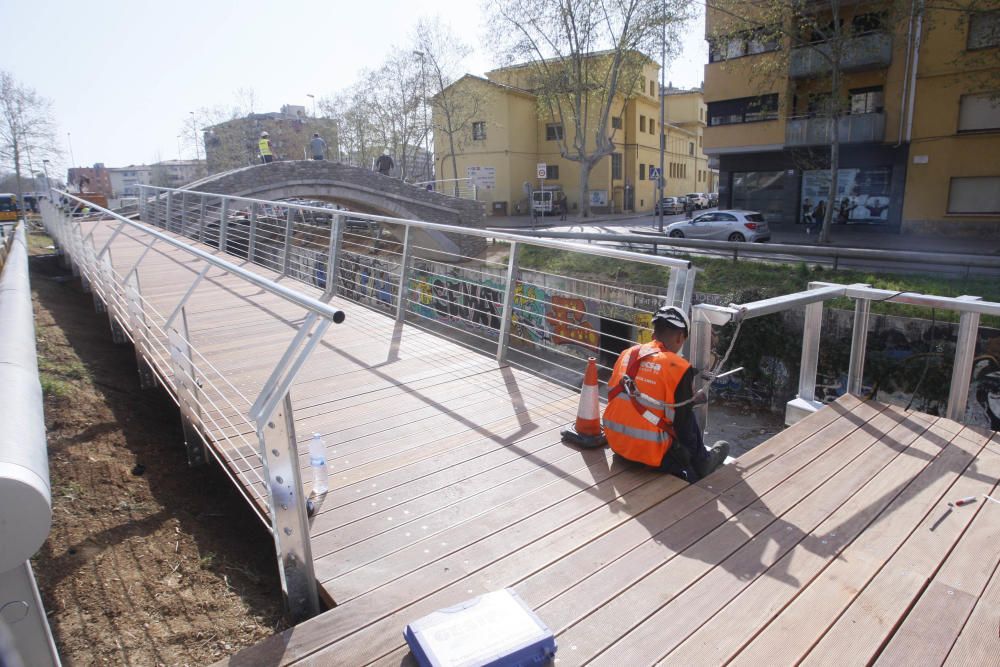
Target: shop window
{"x": 979, "y": 112}
{"x": 479, "y": 130}
{"x": 553, "y": 132}
{"x": 616, "y": 166}
{"x": 984, "y": 30}
{"x": 867, "y": 100}
{"x": 743, "y": 110}
{"x": 551, "y": 172}
{"x": 762, "y": 191}
{"x": 978, "y": 194}
{"x": 642, "y": 172}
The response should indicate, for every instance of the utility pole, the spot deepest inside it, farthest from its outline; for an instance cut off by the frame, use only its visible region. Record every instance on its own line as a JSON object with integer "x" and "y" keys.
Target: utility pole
{"x": 313, "y": 98}
{"x": 661, "y": 181}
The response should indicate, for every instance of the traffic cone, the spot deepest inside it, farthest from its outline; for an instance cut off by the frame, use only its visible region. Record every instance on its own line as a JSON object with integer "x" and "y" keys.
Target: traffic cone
{"x": 587, "y": 432}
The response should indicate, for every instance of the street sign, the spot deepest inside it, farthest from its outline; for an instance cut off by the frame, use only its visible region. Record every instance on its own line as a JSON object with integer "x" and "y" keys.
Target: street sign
{"x": 654, "y": 173}
{"x": 541, "y": 169}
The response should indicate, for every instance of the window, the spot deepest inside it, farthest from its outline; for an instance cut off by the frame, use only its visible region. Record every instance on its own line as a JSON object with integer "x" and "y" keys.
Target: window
{"x": 642, "y": 123}
{"x": 652, "y": 88}
{"x": 745, "y": 43}
{"x": 984, "y": 30}
{"x": 479, "y": 130}
{"x": 743, "y": 110}
{"x": 616, "y": 166}
{"x": 652, "y": 126}
{"x": 551, "y": 172}
{"x": 616, "y": 122}
{"x": 867, "y": 100}
{"x": 979, "y": 112}
{"x": 979, "y": 194}
{"x": 690, "y": 148}
{"x": 642, "y": 172}
{"x": 862, "y": 24}
{"x": 553, "y": 132}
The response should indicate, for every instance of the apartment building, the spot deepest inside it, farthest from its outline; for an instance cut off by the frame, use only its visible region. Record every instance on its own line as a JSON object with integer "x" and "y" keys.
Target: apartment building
{"x": 502, "y": 148}
{"x": 920, "y": 125}
{"x": 125, "y": 181}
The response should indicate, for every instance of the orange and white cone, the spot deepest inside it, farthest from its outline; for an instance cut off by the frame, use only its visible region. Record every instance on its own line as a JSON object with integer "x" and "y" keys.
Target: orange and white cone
{"x": 587, "y": 432}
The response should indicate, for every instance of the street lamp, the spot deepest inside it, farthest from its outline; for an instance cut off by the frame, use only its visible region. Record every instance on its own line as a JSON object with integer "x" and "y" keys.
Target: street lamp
{"x": 178, "y": 147}
{"x": 423, "y": 103}
{"x": 48, "y": 185}
{"x": 663, "y": 112}
{"x": 69, "y": 142}
{"x": 313, "y": 98}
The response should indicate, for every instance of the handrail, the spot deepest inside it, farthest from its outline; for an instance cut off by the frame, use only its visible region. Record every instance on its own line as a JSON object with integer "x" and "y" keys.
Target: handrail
{"x": 655, "y": 238}
{"x": 434, "y": 226}
{"x": 314, "y": 305}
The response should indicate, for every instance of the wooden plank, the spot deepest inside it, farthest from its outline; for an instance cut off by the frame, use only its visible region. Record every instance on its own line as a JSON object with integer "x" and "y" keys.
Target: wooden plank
{"x": 641, "y": 594}
{"x": 803, "y": 622}
{"x": 979, "y": 641}
{"x": 929, "y": 630}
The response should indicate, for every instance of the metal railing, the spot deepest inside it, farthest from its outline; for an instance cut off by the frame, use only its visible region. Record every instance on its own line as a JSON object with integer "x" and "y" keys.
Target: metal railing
{"x": 25, "y": 493}
{"x": 851, "y": 129}
{"x": 462, "y": 188}
{"x": 705, "y": 316}
{"x": 872, "y": 50}
{"x": 213, "y": 410}
{"x": 658, "y": 242}
{"x": 457, "y": 282}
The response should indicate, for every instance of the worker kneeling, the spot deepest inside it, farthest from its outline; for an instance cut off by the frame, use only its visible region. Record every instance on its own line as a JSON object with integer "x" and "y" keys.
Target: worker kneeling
{"x": 650, "y": 417}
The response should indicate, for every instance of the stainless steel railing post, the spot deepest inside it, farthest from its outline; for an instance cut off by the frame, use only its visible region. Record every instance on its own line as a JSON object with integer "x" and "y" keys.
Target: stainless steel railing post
{"x": 167, "y": 211}
{"x": 333, "y": 256}
{"x": 961, "y": 371}
{"x": 252, "y": 234}
{"x": 201, "y": 220}
{"x": 404, "y": 276}
{"x": 286, "y": 255}
{"x": 503, "y": 339}
{"x": 859, "y": 344}
{"x": 223, "y": 226}
{"x": 186, "y": 386}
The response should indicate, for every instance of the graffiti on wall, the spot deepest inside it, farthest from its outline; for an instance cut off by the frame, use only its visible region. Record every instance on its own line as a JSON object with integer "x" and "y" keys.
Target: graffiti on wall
{"x": 569, "y": 323}
{"x": 367, "y": 280}
{"x": 456, "y": 298}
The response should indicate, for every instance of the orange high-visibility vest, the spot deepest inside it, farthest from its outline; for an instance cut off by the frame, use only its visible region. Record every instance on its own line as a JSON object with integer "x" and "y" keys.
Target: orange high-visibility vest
{"x": 640, "y": 426}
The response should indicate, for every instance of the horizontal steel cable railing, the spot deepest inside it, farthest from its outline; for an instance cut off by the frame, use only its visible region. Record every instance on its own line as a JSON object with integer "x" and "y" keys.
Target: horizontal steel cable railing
{"x": 470, "y": 285}
{"x": 252, "y": 436}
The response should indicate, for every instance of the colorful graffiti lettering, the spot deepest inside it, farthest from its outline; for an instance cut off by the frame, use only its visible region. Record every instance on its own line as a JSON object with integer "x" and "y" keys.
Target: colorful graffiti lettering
{"x": 444, "y": 297}
{"x": 567, "y": 319}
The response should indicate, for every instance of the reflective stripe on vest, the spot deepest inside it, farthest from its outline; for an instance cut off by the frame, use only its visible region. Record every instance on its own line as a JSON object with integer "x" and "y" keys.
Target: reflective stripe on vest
{"x": 656, "y": 436}
{"x": 649, "y": 402}
{"x": 265, "y": 146}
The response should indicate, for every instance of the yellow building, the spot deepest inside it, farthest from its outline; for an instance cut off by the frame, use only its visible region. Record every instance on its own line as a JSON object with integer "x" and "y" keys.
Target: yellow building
{"x": 502, "y": 148}
{"x": 920, "y": 99}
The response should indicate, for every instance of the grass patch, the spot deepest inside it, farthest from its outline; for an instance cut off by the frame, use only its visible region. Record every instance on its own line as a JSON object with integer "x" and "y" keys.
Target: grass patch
{"x": 38, "y": 241}
{"x": 728, "y": 278}
{"x": 53, "y": 386}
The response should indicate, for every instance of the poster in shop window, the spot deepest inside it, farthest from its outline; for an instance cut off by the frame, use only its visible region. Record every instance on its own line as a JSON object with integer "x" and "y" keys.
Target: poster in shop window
{"x": 862, "y": 195}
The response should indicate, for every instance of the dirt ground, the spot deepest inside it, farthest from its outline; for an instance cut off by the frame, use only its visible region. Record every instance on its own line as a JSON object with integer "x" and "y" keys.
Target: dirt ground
{"x": 149, "y": 562}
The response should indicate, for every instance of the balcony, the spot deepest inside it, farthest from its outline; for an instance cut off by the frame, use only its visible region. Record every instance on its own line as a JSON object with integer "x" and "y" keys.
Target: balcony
{"x": 852, "y": 129}
{"x": 871, "y": 51}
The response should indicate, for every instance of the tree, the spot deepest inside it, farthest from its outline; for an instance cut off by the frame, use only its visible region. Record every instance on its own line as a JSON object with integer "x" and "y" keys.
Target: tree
{"x": 584, "y": 61}
{"x": 355, "y": 131}
{"x": 392, "y": 93}
{"x": 456, "y": 108}
{"x": 27, "y": 130}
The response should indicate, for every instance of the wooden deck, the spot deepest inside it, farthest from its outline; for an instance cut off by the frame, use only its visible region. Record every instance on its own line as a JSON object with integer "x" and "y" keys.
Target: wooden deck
{"x": 833, "y": 542}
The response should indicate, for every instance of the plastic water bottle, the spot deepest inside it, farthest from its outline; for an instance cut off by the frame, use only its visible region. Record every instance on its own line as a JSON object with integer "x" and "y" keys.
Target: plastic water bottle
{"x": 317, "y": 460}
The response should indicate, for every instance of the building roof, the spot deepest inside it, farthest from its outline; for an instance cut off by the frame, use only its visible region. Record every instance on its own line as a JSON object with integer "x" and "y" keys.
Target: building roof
{"x": 502, "y": 86}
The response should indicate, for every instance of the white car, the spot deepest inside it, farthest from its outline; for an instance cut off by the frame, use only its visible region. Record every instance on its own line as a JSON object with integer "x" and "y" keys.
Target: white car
{"x": 698, "y": 199}
{"x": 736, "y": 226}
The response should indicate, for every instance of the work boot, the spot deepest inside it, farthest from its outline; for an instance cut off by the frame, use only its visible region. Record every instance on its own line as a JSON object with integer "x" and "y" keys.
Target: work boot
{"x": 716, "y": 457}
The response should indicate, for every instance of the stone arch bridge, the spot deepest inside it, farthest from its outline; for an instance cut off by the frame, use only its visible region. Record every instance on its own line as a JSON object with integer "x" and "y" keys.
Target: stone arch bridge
{"x": 357, "y": 189}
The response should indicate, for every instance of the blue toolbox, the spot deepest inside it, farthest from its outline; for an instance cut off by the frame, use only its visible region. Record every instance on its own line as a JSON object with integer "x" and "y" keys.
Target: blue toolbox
{"x": 497, "y": 628}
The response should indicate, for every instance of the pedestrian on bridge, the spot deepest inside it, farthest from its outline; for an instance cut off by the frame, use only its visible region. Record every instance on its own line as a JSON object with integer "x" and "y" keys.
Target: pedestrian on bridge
{"x": 384, "y": 163}
{"x": 266, "y": 154}
{"x": 650, "y": 415}
{"x": 318, "y": 147}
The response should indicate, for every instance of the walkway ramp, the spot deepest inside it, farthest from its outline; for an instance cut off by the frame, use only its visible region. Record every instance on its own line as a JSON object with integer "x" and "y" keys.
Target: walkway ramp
{"x": 833, "y": 542}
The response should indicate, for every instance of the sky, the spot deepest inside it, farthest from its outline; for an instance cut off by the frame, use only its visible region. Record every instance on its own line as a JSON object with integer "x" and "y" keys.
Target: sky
{"x": 124, "y": 77}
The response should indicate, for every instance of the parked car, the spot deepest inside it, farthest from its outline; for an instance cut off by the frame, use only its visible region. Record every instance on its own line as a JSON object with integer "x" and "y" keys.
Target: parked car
{"x": 670, "y": 205}
{"x": 550, "y": 200}
{"x": 713, "y": 199}
{"x": 722, "y": 226}
{"x": 698, "y": 199}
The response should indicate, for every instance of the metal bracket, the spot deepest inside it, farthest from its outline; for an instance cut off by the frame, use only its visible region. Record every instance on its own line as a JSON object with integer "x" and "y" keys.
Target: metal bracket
{"x": 137, "y": 321}
{"x": 186, "y": 385}
{"x": 280, "y": 380}
{"x": 187, "y": 295}
{"x": 287, "y": 504}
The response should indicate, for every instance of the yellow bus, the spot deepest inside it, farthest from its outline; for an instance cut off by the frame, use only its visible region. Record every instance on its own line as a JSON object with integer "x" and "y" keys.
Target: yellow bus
{"x": 8, "y": 207}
